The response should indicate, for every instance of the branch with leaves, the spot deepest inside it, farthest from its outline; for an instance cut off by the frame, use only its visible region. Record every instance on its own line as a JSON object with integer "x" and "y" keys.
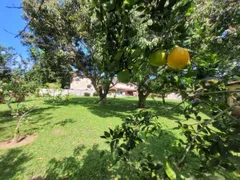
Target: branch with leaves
{"x": 24, "y": 29}
{"x": 205, "y": 123}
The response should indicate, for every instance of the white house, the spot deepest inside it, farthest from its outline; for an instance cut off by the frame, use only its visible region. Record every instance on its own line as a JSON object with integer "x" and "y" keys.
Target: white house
{"x": 79, "y": 83}
{"x": 85, "y": 85}
{"x": 124, "y": 89}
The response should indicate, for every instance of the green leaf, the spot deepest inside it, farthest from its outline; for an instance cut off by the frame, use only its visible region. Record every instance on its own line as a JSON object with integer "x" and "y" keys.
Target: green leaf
{"x": 71, "y": 18}
{"x": 169, "y": 171}
{"x": 137, "y": 52}
{"x": 120, "y": 151}
{"x": 118, "y": 55}
{"x": 106, "y": 134}
{"x": 111, "y": 131}
{"x": 176, "y": 78}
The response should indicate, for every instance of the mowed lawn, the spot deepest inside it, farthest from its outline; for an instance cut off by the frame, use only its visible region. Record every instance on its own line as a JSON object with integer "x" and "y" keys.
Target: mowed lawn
{"x": 69, "y": 140}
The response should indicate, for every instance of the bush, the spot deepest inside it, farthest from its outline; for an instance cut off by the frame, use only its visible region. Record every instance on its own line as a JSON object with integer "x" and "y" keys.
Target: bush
{"x": 53, "y": 85}
{"x": 86, "y": 94}
{"x": 95, "y": 94}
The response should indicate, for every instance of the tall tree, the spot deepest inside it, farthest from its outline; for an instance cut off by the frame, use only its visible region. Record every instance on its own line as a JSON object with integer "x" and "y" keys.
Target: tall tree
{"x": 66, "y": 32}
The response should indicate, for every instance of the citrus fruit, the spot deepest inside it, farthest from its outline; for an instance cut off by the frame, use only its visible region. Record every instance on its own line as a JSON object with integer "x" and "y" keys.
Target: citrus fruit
{"x": 178, "y": 58}
{"x": 124, "y": 76}
{"x": 158, "y": 58}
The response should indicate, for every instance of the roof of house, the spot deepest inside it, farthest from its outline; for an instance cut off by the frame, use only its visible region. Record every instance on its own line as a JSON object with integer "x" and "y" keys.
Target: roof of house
{"x": 233, "y": 83}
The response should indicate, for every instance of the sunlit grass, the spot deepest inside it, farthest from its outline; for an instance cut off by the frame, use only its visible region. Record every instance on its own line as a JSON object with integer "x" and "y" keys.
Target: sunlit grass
{"x": 64, "y": 126}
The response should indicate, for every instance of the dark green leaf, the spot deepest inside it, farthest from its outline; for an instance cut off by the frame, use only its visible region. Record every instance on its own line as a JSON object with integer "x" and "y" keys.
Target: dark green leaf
{"x": 107, "y": 135}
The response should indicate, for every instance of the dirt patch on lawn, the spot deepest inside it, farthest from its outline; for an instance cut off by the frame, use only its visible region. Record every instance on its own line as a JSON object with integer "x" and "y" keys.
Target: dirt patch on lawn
{"x": 7, "y": 144}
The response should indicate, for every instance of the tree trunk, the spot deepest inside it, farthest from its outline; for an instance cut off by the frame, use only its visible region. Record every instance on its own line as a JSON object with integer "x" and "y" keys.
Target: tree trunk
{"x": 103, "y": 94}
{"x": 17, "y": 134}
{"x": 103, "y": 98}
{"x": 163, "y": 99}
{"x": 142, "y": 98}
{"x": 16, "y": 138}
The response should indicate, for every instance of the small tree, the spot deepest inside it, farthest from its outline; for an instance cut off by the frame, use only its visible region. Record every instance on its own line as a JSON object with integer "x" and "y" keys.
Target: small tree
{"x": 13, "y": 84}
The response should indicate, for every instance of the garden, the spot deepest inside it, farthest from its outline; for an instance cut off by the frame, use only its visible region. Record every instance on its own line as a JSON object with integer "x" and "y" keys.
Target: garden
{"x": 186, "y": 47}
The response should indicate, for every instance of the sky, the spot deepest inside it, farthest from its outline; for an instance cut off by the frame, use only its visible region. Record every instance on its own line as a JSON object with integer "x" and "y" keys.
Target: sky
{"x": 11, "y": 20}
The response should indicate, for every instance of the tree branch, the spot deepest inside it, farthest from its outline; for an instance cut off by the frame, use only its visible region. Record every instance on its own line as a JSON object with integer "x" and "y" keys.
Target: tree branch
{"x": 14, "y": 7}
{"x": 24, "y": 29}
{"x": 9, "y": 32}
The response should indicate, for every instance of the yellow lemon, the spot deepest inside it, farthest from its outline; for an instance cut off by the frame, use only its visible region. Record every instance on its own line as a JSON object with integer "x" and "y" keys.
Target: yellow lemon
{"x": 178, "y": 58}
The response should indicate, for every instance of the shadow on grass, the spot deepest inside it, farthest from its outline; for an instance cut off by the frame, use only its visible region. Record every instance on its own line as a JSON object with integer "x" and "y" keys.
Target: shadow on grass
{"x": 6, "y": 117}
{"x": 94, "y": 163}
{"x": 64, "y": 122}
{"x": 39, "y": 119}
{"x": 121, "y": 107}
{"x": 78, "y": 166}
{"x": 11, "y": 163}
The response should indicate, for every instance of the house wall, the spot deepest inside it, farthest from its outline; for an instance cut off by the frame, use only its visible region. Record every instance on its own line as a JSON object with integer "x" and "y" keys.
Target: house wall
{"x": 54, "y": 92}
{"x": 81, "y": 84}
{"x": 125, "y": 86}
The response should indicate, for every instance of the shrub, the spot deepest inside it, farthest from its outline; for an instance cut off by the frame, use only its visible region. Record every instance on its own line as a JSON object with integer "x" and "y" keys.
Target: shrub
{"x": 53, "y": 85}
{"x": 95, "y": 94}
{"x": 86, "y": 94}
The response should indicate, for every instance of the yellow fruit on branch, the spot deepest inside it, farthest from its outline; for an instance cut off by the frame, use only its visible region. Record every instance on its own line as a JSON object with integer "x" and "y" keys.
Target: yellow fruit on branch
{"x": 158, "y": 58}
{"x": 178, "y": 58}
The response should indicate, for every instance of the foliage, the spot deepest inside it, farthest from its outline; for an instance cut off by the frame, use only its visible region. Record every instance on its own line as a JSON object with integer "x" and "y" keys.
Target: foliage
{"x": 199, "y": 27}
{"x": 87, "y": 94}
{"x": 13, "y": 82}
{"x": 68, "y": 41}
{"x": 19, "y": 87}
{"x": 54, "y": 86}
{"x": 133, "y": 131}
{"x": 49, "y": 69}
{"x": 95, "y": 94}
{"x": 7, "y": 60}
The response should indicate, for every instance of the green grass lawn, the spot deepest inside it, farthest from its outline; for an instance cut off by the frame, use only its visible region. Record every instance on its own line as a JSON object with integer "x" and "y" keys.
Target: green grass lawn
{"x": 69, "y": 140}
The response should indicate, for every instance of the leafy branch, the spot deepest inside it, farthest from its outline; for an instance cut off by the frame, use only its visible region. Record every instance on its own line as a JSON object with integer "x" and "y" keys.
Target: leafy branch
{"x": 24, "y": 29}
{"x": 200, "y": 129}
{"x": 14, "y": 7}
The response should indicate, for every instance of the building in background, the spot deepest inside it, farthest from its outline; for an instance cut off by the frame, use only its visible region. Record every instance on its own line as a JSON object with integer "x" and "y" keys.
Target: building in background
{"x": 84, "y": 84}
{"x": 122, "y": 89}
